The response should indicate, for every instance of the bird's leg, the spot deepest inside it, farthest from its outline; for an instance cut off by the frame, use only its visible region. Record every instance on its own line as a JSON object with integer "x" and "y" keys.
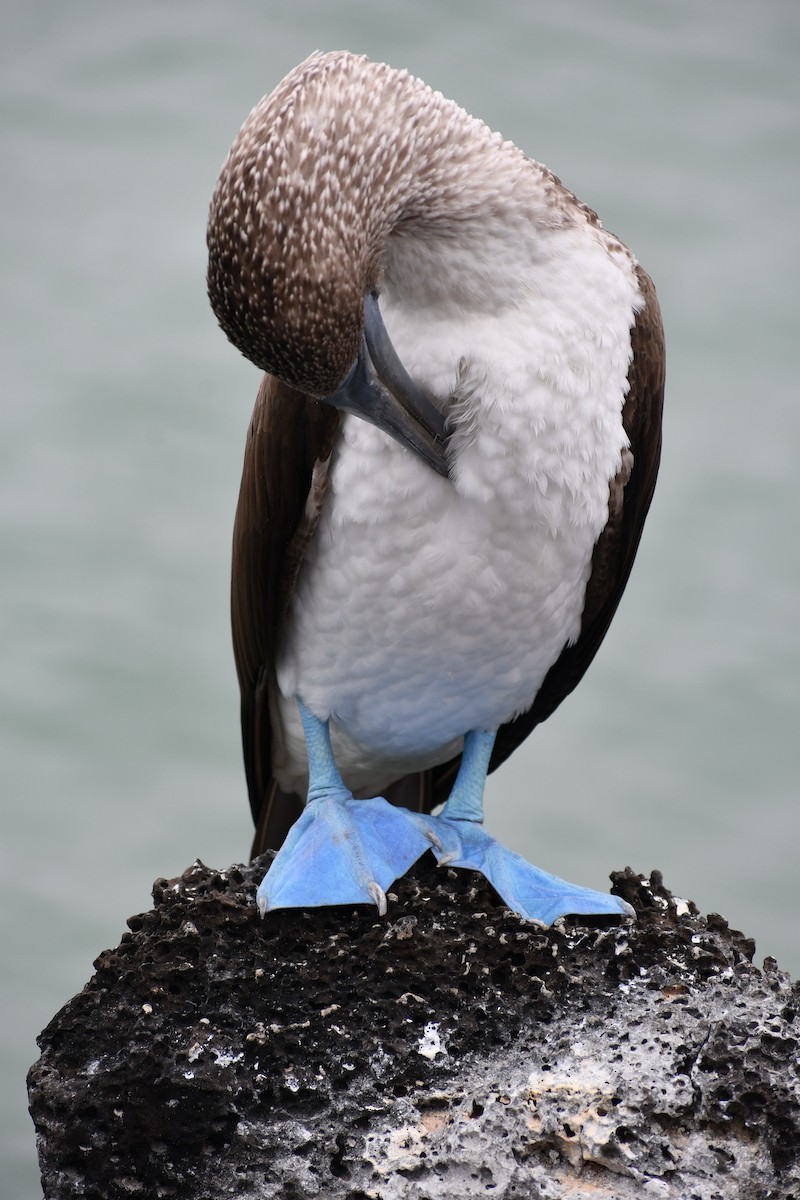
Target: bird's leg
{"x": 465, "y": 802}
{"x": 532, "y": 893}
{"x": 341, "y": 850}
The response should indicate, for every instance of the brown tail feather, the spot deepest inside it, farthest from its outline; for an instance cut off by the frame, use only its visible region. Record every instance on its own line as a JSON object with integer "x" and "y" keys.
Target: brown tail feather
{"x": 276, "y": 818}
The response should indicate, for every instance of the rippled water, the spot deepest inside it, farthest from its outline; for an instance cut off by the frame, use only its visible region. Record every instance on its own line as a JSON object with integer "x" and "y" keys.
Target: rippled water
{"x": 124, "y": 413}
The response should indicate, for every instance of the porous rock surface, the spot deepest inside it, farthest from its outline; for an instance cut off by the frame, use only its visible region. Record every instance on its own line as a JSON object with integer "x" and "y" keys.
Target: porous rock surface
{"x": 448, "y": 1050}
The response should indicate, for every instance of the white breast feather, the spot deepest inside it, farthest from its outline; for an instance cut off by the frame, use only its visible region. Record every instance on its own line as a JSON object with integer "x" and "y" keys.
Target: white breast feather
{"x": 427, "y": 608}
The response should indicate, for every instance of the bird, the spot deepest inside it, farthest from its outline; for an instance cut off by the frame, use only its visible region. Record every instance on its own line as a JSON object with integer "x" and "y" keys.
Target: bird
{"x": 453, "y": 450}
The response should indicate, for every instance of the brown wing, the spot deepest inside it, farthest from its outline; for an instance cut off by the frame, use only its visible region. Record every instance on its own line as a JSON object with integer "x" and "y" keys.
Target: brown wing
{"x": 629, "y": 500}
{"x": 290, "y": 438}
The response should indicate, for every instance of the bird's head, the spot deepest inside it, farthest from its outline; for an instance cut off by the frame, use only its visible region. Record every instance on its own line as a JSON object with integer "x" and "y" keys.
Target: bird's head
{"x": 317, "y": 179}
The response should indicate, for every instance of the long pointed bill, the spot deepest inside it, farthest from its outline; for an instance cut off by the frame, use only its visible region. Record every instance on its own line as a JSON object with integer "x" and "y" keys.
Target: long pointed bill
{"x": 379, "y": 390}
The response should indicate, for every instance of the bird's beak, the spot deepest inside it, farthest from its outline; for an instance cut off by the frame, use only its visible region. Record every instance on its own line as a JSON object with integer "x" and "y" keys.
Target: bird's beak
{"x": 379, "y": 390}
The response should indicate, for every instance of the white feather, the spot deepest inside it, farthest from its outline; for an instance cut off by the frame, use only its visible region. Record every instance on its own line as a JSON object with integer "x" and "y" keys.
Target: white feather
{"x": 427, "y": 608}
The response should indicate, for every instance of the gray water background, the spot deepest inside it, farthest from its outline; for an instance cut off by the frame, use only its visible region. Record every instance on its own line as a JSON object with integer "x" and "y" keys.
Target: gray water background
{"x": 124, "y": 413}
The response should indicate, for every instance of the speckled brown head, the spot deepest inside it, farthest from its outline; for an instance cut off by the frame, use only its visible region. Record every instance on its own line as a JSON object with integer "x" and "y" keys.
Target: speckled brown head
{"x": 344, "y": 153}
{"x": 285, "y": 277}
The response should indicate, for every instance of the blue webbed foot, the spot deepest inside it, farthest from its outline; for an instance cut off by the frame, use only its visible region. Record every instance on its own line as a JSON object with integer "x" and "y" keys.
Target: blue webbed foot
{"x": 345, "y": 851}
{"x": 342, "y": 850}
{"x": 532, "y": 893}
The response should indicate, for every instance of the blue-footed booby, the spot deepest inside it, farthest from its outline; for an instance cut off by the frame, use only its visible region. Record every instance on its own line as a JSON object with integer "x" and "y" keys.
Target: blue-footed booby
{"x": 451, "y": 458}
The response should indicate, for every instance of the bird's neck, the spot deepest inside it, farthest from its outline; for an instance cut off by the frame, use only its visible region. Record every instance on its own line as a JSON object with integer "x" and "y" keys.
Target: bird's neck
{"x": 481, "y": 267}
